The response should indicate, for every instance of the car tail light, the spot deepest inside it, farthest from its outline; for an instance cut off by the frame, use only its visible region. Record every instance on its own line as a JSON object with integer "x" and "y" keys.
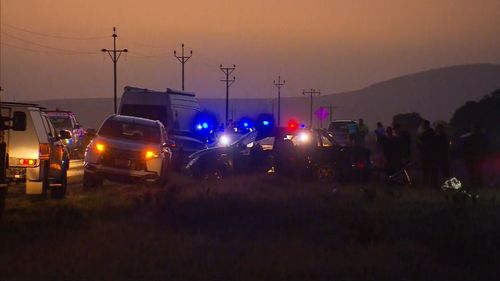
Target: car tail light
{"x": 27, "y": 162}
{"x": 44, "y": 151}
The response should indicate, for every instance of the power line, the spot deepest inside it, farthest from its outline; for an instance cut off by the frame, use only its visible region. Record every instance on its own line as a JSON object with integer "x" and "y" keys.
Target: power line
{"x": 44, "y": 51}
{"x": 279, "y": 85}
{"x": 183, "y": 59}
{"x": 114, "y": 58}
{"x": 51, "y": 35}
{"x": 311, "y": 94}
{"x": 227, "y": 71}
{"x": 48, "y": 47}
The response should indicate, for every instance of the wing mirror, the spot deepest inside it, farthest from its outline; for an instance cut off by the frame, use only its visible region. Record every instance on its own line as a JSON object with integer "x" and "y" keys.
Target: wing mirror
{"x": 64, "y": 134}
{"x": 170, "y": 143}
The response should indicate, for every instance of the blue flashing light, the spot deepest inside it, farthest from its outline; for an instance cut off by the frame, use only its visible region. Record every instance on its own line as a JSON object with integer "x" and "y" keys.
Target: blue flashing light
{"x": 245, "y": 124}
{"x": 302, "y": 125}
{"x": 204, "y": 125}
{"x": 199, "y": 127}
{"x": 265, "y": 123}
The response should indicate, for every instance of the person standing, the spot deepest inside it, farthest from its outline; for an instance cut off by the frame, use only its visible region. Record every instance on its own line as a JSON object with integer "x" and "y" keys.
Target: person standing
{"x": 391, "y": 157}
{"x": 362, "y": 132}
{"x": 443, "y": 151}
{"x": 403, "y": 142}
{"x": 427, "y": 154}
{"x": 379, "y": 132}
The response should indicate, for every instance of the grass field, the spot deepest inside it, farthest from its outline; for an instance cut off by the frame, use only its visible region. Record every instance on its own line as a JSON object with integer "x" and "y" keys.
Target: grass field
{"x": 251, "y": 228}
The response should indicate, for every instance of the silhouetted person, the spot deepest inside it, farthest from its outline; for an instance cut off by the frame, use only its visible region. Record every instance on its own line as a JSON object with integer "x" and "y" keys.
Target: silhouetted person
{"x": 379, "y": 132}
{"x": 427, "y": 154}
{"x": 362, "y": 132}
{"x": 403, "y": 141}
{"x": 391, "y": 153}
{"x": 442, "y": 143}
{"x": 474, "y": 148}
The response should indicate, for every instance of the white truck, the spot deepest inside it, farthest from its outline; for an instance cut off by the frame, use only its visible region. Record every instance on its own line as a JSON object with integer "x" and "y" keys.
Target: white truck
{"x": 37, "y": 155}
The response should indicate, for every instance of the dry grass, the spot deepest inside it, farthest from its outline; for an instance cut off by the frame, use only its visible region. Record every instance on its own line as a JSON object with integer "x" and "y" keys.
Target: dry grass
{"x": 250, "y": 228}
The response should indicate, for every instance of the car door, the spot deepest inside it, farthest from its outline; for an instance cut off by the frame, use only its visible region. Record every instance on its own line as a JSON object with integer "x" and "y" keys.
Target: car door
{"x": 326, "y": 149}
{"x": 56, "y": 149}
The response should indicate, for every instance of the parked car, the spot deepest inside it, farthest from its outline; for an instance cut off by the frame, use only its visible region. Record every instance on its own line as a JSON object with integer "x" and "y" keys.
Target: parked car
{"x": 127, "y": 147}
{"x": 37, "y": 155}
{"x": 183, "y": 145}
{"x": 296, "y": 153}
{"x": 344, "y": 131}
{"x": 66, "y": 120}
{"x": 175, "y": 109}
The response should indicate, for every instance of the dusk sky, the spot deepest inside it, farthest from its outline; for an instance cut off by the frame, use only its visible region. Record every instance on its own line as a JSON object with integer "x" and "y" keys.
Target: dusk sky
{"x": 51, "y": 48}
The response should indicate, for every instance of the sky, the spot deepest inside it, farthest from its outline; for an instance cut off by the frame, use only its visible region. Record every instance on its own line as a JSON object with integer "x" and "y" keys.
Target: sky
{"x": 52, "y": 48}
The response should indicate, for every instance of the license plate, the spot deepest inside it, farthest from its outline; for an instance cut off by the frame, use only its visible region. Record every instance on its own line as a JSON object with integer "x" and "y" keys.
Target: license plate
{"x": 122, "y": 163}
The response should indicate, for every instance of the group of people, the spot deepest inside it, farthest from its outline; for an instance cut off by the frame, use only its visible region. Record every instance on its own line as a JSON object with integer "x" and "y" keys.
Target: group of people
{"x": 432, "y": 146}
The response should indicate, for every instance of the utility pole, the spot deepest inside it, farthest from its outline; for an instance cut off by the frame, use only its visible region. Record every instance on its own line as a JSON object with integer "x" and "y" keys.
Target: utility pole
{"x": 115, "y": 55}
{"x": 227, "y": 71}
{"x": 183, "y": 59}
{"x": 278, "y": 85}
{"x": 312, "y": 93}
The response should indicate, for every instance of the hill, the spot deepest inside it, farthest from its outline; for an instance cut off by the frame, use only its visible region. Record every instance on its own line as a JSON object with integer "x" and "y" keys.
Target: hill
{"x": 435, "y": 94}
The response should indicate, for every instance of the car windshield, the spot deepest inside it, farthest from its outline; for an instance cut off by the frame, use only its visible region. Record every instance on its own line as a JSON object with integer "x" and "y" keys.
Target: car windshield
{"x": 130, "y": 131}
{"x": 344, "y": 127}
{"x": 61, "y": 122}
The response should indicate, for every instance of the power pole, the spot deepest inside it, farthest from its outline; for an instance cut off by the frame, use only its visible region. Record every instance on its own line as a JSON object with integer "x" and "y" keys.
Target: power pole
{"x": 227, "y": 71}
{"x": 312, "y": 93}
{"x": 183, "y": 59}
{"x": 279, "y": 84}
{"x": 115, "y": 55}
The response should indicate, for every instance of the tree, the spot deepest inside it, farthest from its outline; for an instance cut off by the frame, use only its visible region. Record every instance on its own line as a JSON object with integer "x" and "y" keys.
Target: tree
{"x": 485, "y": 113}
{"x": 408, "y": 121}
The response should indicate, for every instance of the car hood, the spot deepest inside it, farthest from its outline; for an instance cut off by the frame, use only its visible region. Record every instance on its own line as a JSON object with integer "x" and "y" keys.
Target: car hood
{"x": 123, "y": 144}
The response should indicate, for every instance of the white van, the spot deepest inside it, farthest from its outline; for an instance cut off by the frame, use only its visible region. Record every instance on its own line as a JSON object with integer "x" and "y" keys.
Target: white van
{"x": 176, "y": 110}
{"x": 37, "y": 155}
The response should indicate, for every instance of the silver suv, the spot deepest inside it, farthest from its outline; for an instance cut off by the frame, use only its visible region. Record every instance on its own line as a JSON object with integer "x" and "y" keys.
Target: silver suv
{"x": 37, "y": 155}
{"x": 127, "y": 147}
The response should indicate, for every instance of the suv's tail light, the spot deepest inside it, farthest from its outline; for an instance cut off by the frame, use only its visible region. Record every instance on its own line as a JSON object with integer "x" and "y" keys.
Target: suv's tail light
{"x": 44, "y": 151}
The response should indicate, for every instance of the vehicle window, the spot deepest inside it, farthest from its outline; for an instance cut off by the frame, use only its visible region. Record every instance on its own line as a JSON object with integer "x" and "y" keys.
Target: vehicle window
{"x": 48, "y": 128}
{"x": 325, "y": 141}
{"x": 153, "y": 112}
{"x": 61, "y": 122}
{"x": 248, "y": 138}
{"x": 266, "y": 143}
{"x": 130, "y": 131}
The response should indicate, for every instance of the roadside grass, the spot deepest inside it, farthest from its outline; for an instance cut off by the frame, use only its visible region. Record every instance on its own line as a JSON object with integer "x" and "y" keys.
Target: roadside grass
{"x": 251, "y": 228}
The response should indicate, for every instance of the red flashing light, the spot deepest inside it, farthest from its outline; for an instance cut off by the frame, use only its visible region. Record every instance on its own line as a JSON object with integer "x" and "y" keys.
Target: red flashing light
{"x": 293, "y": 124}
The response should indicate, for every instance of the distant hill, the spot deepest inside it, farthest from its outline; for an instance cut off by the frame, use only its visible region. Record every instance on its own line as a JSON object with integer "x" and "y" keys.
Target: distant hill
{"x": 435, "y": 94}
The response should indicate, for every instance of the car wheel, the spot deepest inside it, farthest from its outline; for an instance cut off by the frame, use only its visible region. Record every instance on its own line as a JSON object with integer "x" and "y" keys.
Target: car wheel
{"x": 59, "y": 191}
{"x": 92, "y": 180}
